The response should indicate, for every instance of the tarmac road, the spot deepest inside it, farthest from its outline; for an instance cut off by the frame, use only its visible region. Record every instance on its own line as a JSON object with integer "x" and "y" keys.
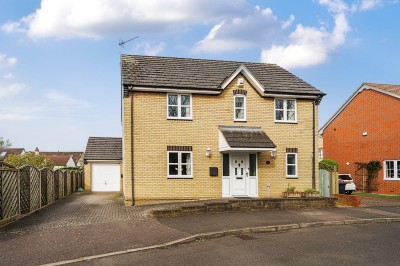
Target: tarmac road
{"x": 368, "y": 244}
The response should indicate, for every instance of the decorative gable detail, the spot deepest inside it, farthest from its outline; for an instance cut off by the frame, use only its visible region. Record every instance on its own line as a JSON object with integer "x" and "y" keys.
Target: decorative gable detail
{"x": 248, "y": 75}
{"x": 239, "y": 91}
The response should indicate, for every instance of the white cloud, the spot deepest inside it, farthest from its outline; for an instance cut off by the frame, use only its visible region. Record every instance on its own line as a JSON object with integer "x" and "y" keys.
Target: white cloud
{"x": 16, "y": 117}
{"x": 7, "y": 61}
{"x": 310, "y": 46}
{"x": 11, "y": 90}
{"x": 100, "y": 18}
{"x": 8, "y": 75}
{"x": 369, "y": 4}
{"x": 148, "y": 49}
{"x": 255, "y": 27}
{"x": 66, "y": 101}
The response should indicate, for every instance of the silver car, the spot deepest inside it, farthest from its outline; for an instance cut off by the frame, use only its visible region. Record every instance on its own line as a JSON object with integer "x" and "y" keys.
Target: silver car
{"x": 346, "y": 179}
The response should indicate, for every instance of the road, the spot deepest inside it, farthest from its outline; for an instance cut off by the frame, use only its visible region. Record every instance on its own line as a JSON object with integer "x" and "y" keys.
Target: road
{"x": 368, "y": 244}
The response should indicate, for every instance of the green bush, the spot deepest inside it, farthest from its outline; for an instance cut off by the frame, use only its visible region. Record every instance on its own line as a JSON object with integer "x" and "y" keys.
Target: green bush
{"x": 329, "y": 165}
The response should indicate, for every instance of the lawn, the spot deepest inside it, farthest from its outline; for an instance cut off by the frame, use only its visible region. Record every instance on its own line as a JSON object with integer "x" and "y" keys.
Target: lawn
{"x": 377, "y": 195}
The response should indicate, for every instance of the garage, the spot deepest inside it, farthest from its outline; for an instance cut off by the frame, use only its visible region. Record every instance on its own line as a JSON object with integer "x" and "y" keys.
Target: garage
{"x": 102, "y": 164}
{"x": 106, "y": 177}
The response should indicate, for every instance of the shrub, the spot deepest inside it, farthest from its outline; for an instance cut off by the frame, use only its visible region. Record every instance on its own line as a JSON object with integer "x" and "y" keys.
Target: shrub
{"x": 329, "y": 165}
{"x": 290, "y": 188}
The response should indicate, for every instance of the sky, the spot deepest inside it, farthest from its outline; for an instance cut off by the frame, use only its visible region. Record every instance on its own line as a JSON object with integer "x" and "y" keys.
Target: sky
{"x": 60, "y": 59}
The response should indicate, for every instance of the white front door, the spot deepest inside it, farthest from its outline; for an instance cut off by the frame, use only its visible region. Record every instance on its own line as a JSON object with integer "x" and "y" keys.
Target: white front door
{"x": 239, "y": 175}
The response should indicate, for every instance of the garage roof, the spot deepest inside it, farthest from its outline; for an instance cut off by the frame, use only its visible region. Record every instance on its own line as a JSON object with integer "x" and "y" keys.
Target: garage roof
{"x": 103, "y": 148}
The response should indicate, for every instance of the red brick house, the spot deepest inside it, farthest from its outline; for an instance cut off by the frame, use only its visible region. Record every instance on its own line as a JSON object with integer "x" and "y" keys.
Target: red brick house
{"x": 366, "y": 128}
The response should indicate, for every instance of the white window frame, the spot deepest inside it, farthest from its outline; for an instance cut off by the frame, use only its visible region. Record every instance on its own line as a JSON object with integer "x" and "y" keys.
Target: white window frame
{"x": 179, "y": 117}
{"x": 244, "y": 107}
{"x": 395, "y": 168}
{"x": 180, "y": 164}
{"x": 285, "y": 120}
{"x": 295, "y": 164}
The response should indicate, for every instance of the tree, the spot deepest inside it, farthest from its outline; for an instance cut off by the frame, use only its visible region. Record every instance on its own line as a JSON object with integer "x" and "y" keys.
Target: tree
{"x": 4, "y": 144}
{"x": 38, "y": 161}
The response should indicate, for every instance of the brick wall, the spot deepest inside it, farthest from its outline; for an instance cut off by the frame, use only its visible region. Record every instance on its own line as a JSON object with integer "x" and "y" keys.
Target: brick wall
{"x": 153, "y": 133}
{"x": 377, "y": 114}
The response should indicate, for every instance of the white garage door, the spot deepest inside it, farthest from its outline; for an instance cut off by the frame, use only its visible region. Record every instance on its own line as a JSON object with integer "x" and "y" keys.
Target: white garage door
{"x": 106, "y": 177}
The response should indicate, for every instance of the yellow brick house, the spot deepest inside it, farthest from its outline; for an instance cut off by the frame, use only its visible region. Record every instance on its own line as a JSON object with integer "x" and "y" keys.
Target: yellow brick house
{"x": 204, "y": 129}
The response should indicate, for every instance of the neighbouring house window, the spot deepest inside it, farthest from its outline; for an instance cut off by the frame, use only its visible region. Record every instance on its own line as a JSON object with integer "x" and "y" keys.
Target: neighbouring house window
{"x": 291, "y": 165}
{"x": 285, "y": 110}
{"x": 179, "y": 106}
{"x": 180, "y": 164}
{"x": 240, "y": 108}
{"x": 392, "y": 169}
{"x": 225, "y": 164}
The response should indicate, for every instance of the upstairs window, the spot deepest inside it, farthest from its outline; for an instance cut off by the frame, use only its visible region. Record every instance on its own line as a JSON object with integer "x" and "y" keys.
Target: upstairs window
{"x": 240, "y": 107}
{"x": 392, "y": 170}
{"x": 179, "y": 106}
{"x": 285, "y": 110}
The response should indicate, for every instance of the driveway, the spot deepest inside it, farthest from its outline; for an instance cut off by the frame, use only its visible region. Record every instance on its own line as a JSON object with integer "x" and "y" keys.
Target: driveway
{"x": 85, "y": 224}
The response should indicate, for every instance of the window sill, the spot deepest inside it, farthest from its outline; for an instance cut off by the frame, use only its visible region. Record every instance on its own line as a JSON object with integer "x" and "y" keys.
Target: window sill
{"x": 179, "y": 119}
{"x": 178, "y": 177}
{"x": 285, "y": 122}
{"x": 391, "y": 179}
{"x": 240, "y": 121}
{"x": 292, "y": 177}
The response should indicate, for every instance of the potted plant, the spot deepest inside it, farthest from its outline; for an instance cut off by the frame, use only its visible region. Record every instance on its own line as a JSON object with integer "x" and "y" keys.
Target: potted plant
{"x": 311, "y": 193}
{"x": 290, "y": 192}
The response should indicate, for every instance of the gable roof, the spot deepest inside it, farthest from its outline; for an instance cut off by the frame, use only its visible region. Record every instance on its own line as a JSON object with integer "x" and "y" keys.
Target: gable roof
{"x": 76, "y": 155}
{"x": 206, "y": 76}
{"x": 8, "y": 151}
{"x": 60, "y": 160}
{"x": 388, "y": 89}
{"x": 103, "y": 148}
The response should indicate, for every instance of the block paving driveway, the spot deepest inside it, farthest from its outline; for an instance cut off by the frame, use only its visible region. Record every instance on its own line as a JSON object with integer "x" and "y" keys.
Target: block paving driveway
{"x": 85, "y": 224}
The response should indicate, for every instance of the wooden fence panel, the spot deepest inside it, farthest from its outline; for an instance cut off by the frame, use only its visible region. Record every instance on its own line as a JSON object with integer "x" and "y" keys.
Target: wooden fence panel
{"x": 65, "y": 180}
{"x": 35, "y": 193}
{"x": 9, "y": 198}
{"x": 56, "y": 183}
{"x": 47, "y": 186}
{"x": 50, "y": 186}
{"x": 25, "y": 187}
{"x": 43, "y": 187}
{"x": 74, "y": 181}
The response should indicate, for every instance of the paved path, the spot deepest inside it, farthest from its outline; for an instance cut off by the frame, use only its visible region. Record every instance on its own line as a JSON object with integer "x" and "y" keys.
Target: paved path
{"x": 88, "y": 224}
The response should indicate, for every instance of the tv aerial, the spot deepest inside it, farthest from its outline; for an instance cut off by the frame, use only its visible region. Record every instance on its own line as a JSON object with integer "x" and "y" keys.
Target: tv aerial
{"x": 122, "y": 42}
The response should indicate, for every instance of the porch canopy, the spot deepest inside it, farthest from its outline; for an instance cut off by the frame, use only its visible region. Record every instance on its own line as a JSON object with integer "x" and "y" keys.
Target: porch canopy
{"x": 240, "y": 138}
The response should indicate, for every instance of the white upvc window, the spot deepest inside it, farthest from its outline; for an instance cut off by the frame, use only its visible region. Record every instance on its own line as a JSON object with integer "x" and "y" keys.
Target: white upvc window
{"x": 240, "y": 107}
{"x": 392, "y": 169}
{"x": 180, "y": 164}
{"x": 179, "y": 106}
{"x": 291, "y": 165}
{"x": 285, "y": 110}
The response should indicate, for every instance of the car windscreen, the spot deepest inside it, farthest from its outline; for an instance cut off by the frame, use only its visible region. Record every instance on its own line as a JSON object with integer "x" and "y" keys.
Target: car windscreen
{"x": 345, "y": 177}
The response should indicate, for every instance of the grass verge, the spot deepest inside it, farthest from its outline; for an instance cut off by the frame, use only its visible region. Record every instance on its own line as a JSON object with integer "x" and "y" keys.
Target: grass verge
{"x": 377, "y": 195}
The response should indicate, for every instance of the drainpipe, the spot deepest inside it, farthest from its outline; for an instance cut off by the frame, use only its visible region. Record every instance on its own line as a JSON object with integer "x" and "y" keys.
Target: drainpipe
{"x": 313, "y": 149}
{"x": 132, "y": 179}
